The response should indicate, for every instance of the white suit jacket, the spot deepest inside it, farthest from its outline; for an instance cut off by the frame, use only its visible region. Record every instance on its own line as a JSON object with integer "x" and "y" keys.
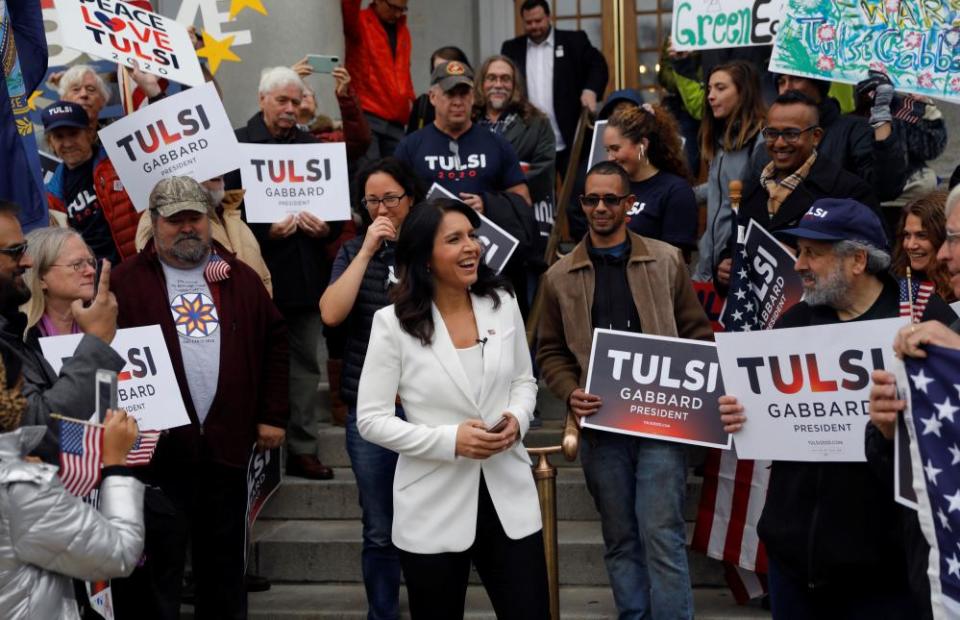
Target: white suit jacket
{"x": 435, "y": 492}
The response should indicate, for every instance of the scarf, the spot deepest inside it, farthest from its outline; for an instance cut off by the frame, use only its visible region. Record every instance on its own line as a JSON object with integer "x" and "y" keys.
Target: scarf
{"x": 779, "y": 192}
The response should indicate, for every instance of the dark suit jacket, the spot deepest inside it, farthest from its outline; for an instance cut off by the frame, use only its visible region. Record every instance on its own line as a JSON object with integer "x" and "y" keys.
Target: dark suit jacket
{"x": 581, "y": 66}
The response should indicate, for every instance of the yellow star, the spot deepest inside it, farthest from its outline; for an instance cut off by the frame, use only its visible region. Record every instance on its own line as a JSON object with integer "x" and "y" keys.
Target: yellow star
{"x": 32, "y": 100}
{"x": 238, "y": 5}
{"x": 217, "y": 51}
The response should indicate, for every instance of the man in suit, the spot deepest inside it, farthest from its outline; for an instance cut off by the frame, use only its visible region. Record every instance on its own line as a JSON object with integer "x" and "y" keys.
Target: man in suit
{"x": 563, "y": 71}
{"x": 638, "y": 484}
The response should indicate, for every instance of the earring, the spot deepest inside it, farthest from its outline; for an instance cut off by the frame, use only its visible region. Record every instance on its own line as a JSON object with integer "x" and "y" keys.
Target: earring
{"x": 643, "y": 152}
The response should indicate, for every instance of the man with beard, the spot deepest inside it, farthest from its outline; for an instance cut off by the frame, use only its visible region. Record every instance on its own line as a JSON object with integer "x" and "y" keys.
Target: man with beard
{"x": 835, "y": 538}
{"x": 615, "y": 279}
{"x": 503, "y": 108}
{"x": 228, "y": 346}
{"x": 72, "y": 392}
{"x": 296, "y": 249}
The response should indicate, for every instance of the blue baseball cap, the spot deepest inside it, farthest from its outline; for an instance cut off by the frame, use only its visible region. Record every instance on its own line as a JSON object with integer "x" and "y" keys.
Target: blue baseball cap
{"x": 64, "y": 114}
{"x": 625, "y": 94}
{"x": 840, "y": 219}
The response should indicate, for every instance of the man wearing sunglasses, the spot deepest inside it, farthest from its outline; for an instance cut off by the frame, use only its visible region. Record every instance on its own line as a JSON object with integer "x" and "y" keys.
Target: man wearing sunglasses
{"x": 615, "y": 279}
{"x": 71, "y": 393}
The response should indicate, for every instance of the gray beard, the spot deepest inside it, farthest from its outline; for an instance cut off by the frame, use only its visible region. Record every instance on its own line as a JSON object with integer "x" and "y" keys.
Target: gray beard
{"x": 188, "y": 249}
{"x": 829, "y": 291}
{"x": 216, "y": 195}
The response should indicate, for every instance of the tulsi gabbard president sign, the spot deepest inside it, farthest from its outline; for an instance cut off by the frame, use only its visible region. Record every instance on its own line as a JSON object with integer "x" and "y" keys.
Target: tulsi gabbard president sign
{"x": 657, "y": 387}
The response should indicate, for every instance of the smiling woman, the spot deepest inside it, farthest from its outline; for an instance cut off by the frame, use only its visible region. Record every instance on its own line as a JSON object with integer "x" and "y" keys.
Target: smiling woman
{"x": 920, "y": 233}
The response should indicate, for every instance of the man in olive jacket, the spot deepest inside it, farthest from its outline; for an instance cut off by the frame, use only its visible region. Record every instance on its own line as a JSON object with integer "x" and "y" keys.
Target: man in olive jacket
{"x": 615, "y": 279}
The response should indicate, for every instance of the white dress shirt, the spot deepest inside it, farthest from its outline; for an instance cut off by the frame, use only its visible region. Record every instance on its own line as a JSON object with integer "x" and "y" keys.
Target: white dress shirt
{"x": 540, "y": 80}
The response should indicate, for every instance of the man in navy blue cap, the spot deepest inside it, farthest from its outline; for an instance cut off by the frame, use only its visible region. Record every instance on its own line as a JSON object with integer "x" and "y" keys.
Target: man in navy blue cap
{"x": 835, "y": 538}
{"x": 86, "y": 187}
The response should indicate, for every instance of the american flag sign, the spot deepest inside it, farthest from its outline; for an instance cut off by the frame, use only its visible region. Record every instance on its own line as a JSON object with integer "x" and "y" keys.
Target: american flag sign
{"x": 81, "y": 447}
{"x": 933, "y": 420}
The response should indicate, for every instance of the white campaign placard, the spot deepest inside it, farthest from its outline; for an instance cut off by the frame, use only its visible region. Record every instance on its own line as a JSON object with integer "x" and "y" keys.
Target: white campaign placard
{"x": 121, "y": 32}
{"x": 187, "y": 134}
{"x": 147, "y": 386}
{"x": 281, "y": 179}
{"x": 805, "y": 390}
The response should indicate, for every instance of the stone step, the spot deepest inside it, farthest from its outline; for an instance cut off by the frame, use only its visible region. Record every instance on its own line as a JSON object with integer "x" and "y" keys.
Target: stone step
{"x": 348, "y": 602}
{"x": 329, "y": 551}
{"x": 299, "y": 498}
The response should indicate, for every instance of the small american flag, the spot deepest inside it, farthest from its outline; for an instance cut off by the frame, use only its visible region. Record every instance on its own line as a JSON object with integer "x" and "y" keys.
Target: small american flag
{"x": 921, "y": 291}
{"x": 217, "y": 269}
{"x": 81, "y": 447}
{"x": 934, "y": 421}
{"x": 143, "y": 447}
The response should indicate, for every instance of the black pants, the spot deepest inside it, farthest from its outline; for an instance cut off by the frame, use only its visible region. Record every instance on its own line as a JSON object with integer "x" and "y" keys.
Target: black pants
{"x": 514, "y": 573}
{"x": 205, "y": 506}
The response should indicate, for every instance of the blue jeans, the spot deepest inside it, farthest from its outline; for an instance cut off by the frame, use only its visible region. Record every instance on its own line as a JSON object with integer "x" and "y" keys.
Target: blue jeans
{"x": 374, "y": 468}
{"x": 638, "y": 486}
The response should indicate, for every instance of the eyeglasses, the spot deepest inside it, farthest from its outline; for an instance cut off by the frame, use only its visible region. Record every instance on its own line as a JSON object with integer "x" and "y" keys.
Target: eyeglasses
{"x": 390, "y": 202}
{"x": 395, "y": 7}
{"x": 611, "y": 200}
{"x": 789, "y": 136}
{"x": 493, "y": 78}
{"x": 78, "y": 265}
{"x": 15, "y": 252}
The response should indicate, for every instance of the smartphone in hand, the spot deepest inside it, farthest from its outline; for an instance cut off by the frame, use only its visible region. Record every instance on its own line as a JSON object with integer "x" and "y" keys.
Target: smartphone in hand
{"x": 106, "y": 392}
{"x": 499, "y": 425}
{"x": 321, "y": 63}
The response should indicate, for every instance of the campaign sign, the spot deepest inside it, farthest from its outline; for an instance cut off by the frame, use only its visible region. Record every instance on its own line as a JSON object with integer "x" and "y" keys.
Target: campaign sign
{"x": 914, "y": 42}
{"x": 498, "y": 244}
{"x": 597, "y": 152}
{"x": 657, "y": 387}
{"x": 711, "y": 24}
{"x": 764, "y": 279}
{"x": 805, "y": 390}
{"x": 187, "y": 134}
{"x": 147, "y": 387}
{"x": 263, "y": 480}
{"x": 122, "y": 33}
{"x": 284, "y": 179}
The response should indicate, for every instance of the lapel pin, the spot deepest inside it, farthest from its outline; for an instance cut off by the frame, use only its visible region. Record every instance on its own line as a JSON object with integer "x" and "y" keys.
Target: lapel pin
{"x": 492, "y": 332}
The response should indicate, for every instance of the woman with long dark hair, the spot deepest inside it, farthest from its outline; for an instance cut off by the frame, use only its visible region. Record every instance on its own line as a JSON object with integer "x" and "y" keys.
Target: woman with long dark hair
{"x": 453, "y": 349}
{"x": 730, "y": 141}
{"x": 645, "y": 141}
{"x": 363, "y": 273}
{"x": 920, "y": 233}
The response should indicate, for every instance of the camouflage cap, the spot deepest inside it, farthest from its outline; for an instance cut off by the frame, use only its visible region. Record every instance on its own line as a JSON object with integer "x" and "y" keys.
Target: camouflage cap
{"x": 175, "y": 194}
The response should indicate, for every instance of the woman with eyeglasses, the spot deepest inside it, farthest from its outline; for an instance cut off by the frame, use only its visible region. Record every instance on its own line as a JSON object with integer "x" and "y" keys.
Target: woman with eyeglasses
{"x": 453, "y": 347}
{"x": 364, "y": 272}
{"x": 645, "y": 141}
{"x": 64, "y": 270}
{"x": 731, "y": 141}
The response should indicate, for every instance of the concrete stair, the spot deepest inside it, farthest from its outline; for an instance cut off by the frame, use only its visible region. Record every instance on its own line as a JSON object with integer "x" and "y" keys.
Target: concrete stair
{"x": 308, "y": 540}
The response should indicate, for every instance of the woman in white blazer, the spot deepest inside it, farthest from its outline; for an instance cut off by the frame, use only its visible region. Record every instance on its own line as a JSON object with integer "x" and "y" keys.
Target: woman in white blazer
{"x": 453, "y": 348}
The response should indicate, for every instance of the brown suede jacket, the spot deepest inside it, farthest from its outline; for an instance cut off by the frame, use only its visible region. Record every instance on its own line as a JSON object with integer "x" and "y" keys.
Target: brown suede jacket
{"x": 662, "y": 293}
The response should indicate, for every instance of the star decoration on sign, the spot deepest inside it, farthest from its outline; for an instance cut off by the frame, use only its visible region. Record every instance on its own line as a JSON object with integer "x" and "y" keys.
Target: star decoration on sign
{"x": 236, "y": 6}
{"x": 217, "y": 51}
{"x": 742, "y": 273}
{"x": 740, "y": 293}
{"x": 945, "y": 410}
{"x": 932, "y": 472}
{"x": 931, "y": 425}
{"x": 920, "y": 381}
{"x": 737, "y": 315}
{"x": 953, "y": 565}
{"x": 955, "y": 453}
{"x": 32, "y": 100}
{"x": 944, "y": 521}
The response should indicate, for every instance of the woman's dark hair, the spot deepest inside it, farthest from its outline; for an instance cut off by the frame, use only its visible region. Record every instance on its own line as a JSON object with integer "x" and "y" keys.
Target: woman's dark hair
{"x": 413, "y": 295}
{"x": 448, "y": 53}
{"x": 659, "y": 127}
{"x": 929, "y": 209}
{"x": 746, "y": 119}
{"x": 401, "y": 172}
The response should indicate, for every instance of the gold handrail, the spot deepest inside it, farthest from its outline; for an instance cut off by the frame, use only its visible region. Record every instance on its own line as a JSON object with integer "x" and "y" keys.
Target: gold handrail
{"x": 545, "y": 475}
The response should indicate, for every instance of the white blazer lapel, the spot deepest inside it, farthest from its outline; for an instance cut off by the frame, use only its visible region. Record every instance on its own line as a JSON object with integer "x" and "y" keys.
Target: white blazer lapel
{"x": 489, "y": 328}
{"x": 446, "y": 354}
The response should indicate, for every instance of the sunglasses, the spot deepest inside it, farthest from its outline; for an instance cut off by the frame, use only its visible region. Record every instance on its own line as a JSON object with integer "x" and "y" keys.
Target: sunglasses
{"x": 611, "y": 200}
{"x": 15, "y": 252}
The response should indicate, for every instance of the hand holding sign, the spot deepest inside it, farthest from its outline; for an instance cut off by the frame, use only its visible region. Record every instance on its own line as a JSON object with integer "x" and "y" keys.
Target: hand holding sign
{"x": 269, "y": 437}
{"x": 884, "y": 404}
{"x": 100, "y": 319}
{"x": 311, "y": 225}
{"x": 731, "y": 413}
{"x": 284, "y": 228}
{"x": 583, "y": 404}
{"x": 474, "y": 201}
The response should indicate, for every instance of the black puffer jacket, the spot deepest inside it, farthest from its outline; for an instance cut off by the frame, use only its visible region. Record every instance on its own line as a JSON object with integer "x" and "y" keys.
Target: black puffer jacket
{"x": 373, "y": 295}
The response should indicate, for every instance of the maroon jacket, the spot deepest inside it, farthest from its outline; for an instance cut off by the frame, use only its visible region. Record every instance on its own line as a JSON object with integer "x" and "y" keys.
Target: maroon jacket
{"x": 252, "y": 387}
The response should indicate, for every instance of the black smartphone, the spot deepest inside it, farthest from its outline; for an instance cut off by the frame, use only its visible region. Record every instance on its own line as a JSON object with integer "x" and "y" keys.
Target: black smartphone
{"x": 500, "y": 425}
{"x": 106, "y": 392}
{"x": 96, "y": 278}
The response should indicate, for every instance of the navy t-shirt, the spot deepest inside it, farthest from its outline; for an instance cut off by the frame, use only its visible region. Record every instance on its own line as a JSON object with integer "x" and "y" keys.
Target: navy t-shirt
{"x": 476, "y": 162}
{"x": 84, "y": 213}
{"x": 666, "y": 209}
